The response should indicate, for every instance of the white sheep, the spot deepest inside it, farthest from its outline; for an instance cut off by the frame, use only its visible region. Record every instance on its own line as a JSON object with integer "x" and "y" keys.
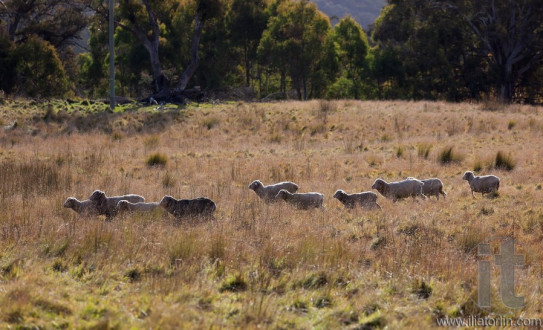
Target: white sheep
{"x": 432, "y": 187}
{"x": 198, "y": 207}
{"x": 367, "y": 199}
{"x": 303, "y": 201}
{"x": 400, "y": 189}
{"x": 124, "y": 205}
{"x": 269, "y": 193}
{"x": 108, "y": 205}
{"x": 482, "y": 184}
{"x": 85, "y": 207}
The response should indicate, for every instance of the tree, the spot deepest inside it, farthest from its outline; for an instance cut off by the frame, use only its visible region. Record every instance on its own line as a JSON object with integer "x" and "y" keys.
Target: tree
{"x": 58, "y": 25}
{"x": 55, "y": 21}
{"x": 143, "y": 19}
{"x": 510, "y": 35}
{"x": 353, "y": 49}
{"x": 422, "y": 52}
{"x": 246, "y": 21}
{"x": 41, "y": 72}
{"x": 7, "y": 64}
{"x": 295, "y": 39}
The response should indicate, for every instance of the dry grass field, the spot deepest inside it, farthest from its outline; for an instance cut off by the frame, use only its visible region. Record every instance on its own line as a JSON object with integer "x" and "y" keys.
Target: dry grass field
{"x": 262, "y": 265}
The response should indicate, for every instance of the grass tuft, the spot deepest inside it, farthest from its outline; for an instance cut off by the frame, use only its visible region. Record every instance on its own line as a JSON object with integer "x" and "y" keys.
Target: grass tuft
{"x": 447, "y": 155}
{"x": 423, "y": 150}
{"x": 235, "y": 283}
{"x": 504, "y": 162}
{"x": 157, "y": 159}
{"x": 315, "y": 281}
{"x": 422, "y": 289}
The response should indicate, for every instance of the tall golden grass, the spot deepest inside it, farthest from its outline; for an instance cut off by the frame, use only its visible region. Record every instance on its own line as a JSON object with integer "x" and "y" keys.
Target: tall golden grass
{"x": 261, "y": 265}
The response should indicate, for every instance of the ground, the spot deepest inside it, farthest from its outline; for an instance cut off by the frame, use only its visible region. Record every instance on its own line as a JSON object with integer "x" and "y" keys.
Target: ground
{"x": 259, "y": 265}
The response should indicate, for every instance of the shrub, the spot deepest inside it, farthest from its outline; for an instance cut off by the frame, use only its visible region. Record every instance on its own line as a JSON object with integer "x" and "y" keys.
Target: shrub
{"x": 41, "y": 70}
{"x": 157, "y": 159}
{"x": 504, "y": 162}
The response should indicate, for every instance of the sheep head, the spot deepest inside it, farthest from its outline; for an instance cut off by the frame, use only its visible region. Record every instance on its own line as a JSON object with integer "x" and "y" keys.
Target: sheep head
{"x": 166, "y": 202}
{"x": 378, "y": 184}
{"x": 282, "y": 194}
{"x": 339, "y": 194}
{"x": 255, "y": 185}
{"x": 468, "y": 176}
{"x": 97, "y": 196}
{"x": 69, "y": 203}
{"x": 122, "y": 205}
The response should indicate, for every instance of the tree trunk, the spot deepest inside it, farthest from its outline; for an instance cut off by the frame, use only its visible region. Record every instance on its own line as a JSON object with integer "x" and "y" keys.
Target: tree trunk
{"x": 194, "y": 58}
{"x": 247, "y": 65}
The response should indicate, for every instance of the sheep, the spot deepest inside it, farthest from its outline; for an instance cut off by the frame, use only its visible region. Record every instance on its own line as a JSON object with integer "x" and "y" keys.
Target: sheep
{"x": 432, "y": 187}
{"x": 367, "y": 199}
{"x": 303, "y": 201}
{"x": 107, "y": 205}
{"x": 482, "y": 184}
{"x": 269, "y": 193}
{"x": 124, "y": 205}
{"x": 199, "y": 207}
{"x": 85, "y": 207}
{"x": 400, "y": 189}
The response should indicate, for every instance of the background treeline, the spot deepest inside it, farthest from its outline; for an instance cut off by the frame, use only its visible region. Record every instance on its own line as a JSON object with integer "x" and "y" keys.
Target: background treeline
{"x": 416, "y": 49}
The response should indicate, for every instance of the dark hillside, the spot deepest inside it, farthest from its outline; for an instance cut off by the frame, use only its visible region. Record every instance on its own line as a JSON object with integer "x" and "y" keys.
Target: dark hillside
{"x": 364, "y": 11}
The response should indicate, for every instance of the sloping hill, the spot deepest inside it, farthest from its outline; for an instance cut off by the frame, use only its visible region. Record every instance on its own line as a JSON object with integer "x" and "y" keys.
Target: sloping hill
{"x": 364, "y": 11}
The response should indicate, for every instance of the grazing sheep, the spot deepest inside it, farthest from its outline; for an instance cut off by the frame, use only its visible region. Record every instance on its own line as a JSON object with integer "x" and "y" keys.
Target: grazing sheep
{"x": 432, "y": 187}
{"x": 108, "y": 205}
{"x": 85, "y": 207}
{"x": 367, "y": 199}
{"x": 199, "y": 207}
{"x": 124, "y": 205}
{"x": 303, "y": 201}
{"x": 269, "y": 193}
{"x": 400, "y": 189}
{"x": 482, "y": 184}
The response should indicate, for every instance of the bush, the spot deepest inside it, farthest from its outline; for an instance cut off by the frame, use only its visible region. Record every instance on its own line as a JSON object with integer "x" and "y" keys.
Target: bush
{"x": 40, "y": 69}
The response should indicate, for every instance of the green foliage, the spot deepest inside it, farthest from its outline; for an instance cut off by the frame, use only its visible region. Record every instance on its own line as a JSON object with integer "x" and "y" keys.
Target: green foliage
{"x": 342, "y": 88}
{"x": 352, "y": 51}
{"x": 293, "y": 43}
{"x": 41, "y": 71}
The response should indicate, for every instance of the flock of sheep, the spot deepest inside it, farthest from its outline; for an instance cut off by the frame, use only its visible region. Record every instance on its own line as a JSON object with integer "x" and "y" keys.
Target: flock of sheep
{"x": 100, "y": 204}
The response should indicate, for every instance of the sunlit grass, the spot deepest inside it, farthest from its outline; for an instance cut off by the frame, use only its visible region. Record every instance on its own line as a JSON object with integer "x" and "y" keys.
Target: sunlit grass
{"x": 258, "y": 265}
